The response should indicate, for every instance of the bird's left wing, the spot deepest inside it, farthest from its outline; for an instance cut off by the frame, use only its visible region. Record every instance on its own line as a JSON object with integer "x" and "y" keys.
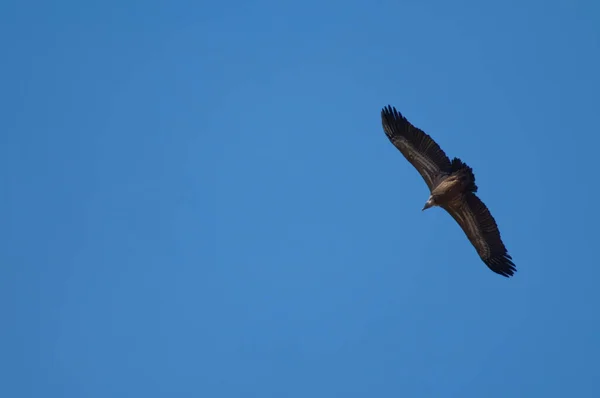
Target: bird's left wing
{"x": 417, "y": 147}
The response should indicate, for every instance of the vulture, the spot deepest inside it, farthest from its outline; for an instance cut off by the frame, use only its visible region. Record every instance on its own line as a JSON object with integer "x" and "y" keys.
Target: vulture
{"x": 452, "y": 187}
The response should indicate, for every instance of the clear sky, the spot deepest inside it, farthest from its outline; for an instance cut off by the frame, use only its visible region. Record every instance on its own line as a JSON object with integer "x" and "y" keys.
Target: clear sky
{"x": 198, "y": 199}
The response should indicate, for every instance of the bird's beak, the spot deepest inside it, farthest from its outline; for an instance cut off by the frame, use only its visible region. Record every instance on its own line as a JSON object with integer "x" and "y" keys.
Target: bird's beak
{"x": 428, "y": 204}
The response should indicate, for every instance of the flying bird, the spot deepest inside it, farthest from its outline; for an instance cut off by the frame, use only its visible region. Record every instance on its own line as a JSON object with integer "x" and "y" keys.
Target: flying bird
{"x": 452, "y": 187}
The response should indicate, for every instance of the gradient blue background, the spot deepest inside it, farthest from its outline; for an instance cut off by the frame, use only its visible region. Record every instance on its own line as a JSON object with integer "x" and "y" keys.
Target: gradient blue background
{"x": 198, "y": 199}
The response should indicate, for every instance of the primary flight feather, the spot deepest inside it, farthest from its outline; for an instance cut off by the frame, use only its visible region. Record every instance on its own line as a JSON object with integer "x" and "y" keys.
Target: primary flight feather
{"x": 452, "y": 187}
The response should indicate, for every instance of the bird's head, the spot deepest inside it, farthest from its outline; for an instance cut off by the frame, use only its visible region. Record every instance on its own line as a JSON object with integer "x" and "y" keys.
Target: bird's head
{"x": 430, "y": 203}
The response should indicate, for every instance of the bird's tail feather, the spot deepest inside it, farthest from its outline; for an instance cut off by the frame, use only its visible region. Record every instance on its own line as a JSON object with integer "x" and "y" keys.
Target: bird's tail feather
{"x": 458, "y": 166}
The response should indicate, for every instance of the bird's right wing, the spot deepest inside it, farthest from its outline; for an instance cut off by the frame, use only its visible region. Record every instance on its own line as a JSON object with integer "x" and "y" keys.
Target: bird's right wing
{"x": 480, "y": 227}
{"x": 417, "y": 147}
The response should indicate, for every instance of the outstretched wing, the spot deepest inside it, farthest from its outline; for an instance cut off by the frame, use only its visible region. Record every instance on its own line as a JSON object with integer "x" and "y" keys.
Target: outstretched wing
{"x": 480, "y": 227}
{"x": 416, "y": 146}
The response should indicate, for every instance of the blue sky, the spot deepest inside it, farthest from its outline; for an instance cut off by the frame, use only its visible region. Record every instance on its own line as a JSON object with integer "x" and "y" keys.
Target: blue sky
{"x": 199, "y": 200}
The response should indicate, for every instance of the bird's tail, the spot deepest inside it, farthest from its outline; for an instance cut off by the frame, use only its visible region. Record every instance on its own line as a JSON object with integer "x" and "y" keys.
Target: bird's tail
{"x": 461, "y": 168}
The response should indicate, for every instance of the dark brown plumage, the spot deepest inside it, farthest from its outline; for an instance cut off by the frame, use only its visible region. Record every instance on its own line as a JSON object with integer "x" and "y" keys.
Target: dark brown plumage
{"x": 452, "y": 187}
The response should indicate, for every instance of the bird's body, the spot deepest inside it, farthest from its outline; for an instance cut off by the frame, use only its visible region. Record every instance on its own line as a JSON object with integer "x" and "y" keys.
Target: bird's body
{"x": 452, "y": 187}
